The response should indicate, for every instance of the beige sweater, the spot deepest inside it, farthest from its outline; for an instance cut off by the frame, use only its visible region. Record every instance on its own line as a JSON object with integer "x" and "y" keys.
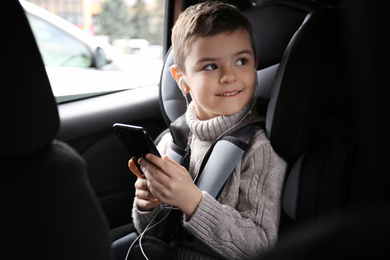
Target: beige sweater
{"x": 244, "y": 221}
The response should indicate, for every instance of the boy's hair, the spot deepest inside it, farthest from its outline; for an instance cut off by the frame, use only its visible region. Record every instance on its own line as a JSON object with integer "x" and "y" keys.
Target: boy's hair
{"x": 206, "y": 19}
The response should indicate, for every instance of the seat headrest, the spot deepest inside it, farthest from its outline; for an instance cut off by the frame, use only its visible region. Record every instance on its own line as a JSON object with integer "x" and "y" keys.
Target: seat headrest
{"x": 29, "y": 116}
{"x": 273, "y": 26}
{"x": 172, "y": 101}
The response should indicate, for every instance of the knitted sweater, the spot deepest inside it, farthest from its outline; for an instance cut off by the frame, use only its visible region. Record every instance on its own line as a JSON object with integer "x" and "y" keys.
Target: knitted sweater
{"x": 244, "y": 221}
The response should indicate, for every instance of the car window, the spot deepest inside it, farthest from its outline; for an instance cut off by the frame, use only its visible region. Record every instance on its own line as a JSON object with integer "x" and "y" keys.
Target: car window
{"x": 57, "y": 47}
{"x": 117, "y": 45}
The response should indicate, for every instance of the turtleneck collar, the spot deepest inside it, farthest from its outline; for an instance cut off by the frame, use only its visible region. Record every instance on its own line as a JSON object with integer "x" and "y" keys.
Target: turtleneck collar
{"x": 209, "y": 130}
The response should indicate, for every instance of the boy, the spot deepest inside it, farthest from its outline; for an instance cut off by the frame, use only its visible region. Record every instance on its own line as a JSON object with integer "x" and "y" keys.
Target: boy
{"x": 215, "y": 62}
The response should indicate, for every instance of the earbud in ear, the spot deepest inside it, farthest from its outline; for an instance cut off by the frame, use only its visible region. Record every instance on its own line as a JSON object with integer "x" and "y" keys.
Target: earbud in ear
{"x": 182, "y": 83}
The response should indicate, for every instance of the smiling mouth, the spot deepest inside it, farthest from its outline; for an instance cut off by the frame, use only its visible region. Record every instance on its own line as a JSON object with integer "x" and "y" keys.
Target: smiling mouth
{"x": 228, "y": 94}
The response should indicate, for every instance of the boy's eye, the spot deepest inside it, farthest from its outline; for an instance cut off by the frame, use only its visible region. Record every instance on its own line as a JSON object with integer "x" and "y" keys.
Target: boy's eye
{"x": 242, "y": 61}
{"x": 211, "y": 67}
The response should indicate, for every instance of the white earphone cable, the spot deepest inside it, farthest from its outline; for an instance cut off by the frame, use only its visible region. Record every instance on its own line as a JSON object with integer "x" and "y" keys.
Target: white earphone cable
{"x": 149, "y": 227}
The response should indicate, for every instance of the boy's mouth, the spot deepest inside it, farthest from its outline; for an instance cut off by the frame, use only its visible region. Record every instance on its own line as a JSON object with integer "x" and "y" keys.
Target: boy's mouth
{"x": 229, "y": 93}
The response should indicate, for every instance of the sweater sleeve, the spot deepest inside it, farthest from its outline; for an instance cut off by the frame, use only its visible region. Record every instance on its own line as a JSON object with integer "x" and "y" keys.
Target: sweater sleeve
{"x": 250, "y": 226}
{"x": 142, "y": 218}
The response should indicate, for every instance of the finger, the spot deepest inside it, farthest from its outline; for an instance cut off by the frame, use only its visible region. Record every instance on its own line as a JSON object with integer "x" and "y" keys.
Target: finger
{"x": 145, "y": 205}
{"x": 151, "y": 171}
{"x": 133, "y": 168}
{"x": 142, "y": 190}
{"x": 164, "y": 164}
{"x": 157, "y": 189}
{"x": 155, "y": 160}
{"x": 144, "y": 194}
{"x": 174, "y": 164}
{"x": 141, "y": 184}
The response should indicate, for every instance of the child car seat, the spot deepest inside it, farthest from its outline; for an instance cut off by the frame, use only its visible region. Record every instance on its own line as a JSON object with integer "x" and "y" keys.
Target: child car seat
{"x": 299, "y": 45}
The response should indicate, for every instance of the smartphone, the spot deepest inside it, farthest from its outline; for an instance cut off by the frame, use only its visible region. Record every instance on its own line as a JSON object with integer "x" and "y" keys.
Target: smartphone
{"x": 136, "y": 140}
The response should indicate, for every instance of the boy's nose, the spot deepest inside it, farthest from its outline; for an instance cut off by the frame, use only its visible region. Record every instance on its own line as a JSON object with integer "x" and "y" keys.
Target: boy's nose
{"x": 228, "y": 75}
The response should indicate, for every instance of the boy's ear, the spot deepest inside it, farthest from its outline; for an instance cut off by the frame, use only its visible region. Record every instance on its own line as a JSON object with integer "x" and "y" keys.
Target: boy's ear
{"x": 176, "y": 74}
{"x": 179, "y": 78}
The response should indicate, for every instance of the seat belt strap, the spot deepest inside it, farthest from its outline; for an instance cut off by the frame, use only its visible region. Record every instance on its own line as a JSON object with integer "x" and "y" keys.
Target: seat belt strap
{"x": 222, "y": 158}
{"x": 221, "y": 163}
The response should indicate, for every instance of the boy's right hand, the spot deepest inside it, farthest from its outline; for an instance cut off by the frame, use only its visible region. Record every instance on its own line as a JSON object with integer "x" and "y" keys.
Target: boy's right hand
{"x": 145, "y": 201}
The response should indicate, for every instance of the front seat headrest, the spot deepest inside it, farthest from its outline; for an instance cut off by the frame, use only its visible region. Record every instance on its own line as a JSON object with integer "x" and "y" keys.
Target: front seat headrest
{"x": 29, "y": 115}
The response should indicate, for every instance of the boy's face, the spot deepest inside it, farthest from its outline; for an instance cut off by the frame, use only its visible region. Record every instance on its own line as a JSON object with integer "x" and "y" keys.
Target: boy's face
{"x": 221, "y": 73}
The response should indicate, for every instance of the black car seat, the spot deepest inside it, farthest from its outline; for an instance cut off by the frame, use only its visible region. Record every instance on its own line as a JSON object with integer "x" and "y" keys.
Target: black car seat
{"x": 299, "y": 44}
{"x": 48, "y": 208}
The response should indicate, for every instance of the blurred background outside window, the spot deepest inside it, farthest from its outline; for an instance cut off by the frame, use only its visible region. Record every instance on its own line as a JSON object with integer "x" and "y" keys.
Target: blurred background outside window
{"x": 93, "y": 47}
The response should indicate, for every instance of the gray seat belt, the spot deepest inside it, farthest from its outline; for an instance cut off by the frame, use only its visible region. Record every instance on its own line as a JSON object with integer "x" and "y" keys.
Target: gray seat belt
{"x": 222, "y": 158}
{"x": 219, "y": 161}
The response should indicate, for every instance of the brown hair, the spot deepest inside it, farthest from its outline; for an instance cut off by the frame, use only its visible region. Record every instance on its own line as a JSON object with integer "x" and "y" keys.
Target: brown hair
{"x": 206, "y": 19}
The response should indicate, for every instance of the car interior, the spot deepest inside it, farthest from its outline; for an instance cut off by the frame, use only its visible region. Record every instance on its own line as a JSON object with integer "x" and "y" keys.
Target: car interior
{"x": 66, "y": 187}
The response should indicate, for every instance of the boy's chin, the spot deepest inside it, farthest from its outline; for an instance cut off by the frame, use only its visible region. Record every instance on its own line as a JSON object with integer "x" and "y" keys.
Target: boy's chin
{"x": 227, "y": 110}
{"x": 233, "y": 111}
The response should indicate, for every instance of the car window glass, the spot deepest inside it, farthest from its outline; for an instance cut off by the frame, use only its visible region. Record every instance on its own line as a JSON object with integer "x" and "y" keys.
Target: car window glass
{"x": 57, "y": 47}
{"x": 98, "y": 47}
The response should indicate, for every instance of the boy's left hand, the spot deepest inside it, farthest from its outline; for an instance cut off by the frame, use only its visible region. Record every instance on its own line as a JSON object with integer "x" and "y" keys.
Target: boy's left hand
{"x": 171, "y": 183}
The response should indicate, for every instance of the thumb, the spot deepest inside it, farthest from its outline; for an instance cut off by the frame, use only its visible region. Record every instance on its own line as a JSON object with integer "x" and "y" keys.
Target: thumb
{"x": 133, "y": 168}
